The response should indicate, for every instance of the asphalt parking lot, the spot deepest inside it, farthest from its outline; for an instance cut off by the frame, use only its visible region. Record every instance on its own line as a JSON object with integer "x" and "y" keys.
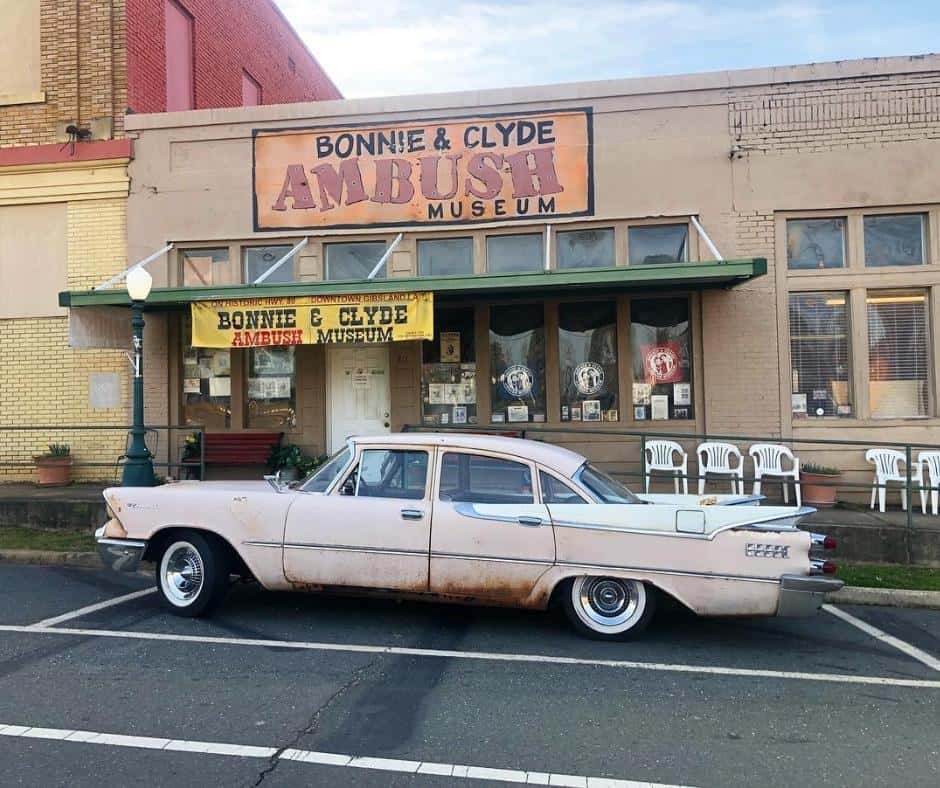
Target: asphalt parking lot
{"x": 99, "y": 686}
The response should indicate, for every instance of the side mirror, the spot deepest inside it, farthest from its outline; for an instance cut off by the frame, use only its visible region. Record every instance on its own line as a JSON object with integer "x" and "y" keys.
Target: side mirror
{"x": 275, "y": 481}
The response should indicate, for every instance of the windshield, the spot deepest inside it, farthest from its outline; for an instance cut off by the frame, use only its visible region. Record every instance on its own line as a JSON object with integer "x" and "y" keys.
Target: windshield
{"x": 321, "y": 478}
{"x": 607, "y": 489}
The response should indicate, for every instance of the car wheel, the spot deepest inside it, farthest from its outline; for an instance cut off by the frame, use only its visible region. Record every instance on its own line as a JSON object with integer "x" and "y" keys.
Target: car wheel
{"x": 608, "y": 608}
{"x": 192, "y": 575}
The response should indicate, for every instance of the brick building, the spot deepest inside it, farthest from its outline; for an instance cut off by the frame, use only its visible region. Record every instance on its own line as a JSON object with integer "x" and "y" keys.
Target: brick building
{"x": 63, "y": 196}
{"x": 556, "y": 230}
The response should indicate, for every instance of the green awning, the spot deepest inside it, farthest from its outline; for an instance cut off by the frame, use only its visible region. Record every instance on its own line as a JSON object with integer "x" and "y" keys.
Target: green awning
{"x": 721, "y": 274}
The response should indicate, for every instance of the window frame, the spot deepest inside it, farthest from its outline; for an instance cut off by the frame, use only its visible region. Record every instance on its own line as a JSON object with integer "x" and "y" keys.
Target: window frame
{"x": 543, "y": 471}
{"x": 443, "y": 451}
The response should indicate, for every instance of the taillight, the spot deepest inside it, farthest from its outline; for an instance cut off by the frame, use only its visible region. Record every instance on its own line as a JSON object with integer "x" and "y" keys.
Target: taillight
{"x": 828, "y": 568}
{"x": 829, "y": 543}
{"x": 822, "y": 541}
{"x": 818, "y": 567}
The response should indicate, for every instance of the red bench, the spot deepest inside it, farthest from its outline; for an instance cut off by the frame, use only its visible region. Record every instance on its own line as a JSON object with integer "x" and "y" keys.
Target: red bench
{"x": 237, "y": 448}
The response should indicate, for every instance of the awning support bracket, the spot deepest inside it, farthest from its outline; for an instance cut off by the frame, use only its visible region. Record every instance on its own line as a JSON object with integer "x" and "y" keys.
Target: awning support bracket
{"x": 281, "y": 262}
{"x": 388, "y": 253}
{"x": 139, "y": 264}
{"x": 704, "y": 236}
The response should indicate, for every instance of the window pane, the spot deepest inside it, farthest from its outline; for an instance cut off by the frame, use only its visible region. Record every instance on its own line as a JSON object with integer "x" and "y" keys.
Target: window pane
{"x": 354, "y": 260}
{"x": 514, "y": 253}
{"x": 898, "y": 356}
{"x": 816, "y": 243}
{"x": 554, "y": 491}
{"x": 517, "y": 363}
{"x": 448, "y": 371}
{"x": 587, "y": 346}
{"x": 272, "y": 393}
{"x": 392, "y": 474}
{"x": 658, "y": 243}
{"x": 472, "y": 478}
{"x": 662, "y": 358}
{"x": 585, "y": 248}
{"x": 207, "y": 385}
{"x": 894, "y": 240}
{"x": 259, "y": 259}
{"x": 445, "y": 257}
{"x": 819, "y": 355}
{"x": 206, "y": 267}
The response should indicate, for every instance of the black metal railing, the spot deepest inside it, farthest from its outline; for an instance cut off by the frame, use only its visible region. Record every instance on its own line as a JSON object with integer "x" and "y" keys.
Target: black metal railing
{"x": 94, "y": 446}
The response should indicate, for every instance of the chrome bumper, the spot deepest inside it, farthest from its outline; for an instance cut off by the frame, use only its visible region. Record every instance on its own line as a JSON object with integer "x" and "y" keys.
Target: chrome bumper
{"x": 121, "y": 555}
{"x": 802, "y": 595}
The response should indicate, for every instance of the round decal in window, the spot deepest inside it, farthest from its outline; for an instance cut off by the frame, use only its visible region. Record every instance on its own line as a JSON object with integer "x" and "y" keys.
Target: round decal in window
{"x": 517, "y": 380}
{"x": 662, "y": 363}
{"x": 589, "y": 377}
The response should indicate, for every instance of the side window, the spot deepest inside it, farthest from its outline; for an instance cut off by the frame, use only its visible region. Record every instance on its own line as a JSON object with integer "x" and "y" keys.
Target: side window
{"x": 556, "y": 491}
{"x": 473, "y": 478}
{"x": 383, "y": 473}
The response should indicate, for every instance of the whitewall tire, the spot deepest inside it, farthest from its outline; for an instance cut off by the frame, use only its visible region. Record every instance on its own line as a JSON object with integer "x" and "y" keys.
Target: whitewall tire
{"x": 608, "y": 608}
{"x": 192, "y": 575}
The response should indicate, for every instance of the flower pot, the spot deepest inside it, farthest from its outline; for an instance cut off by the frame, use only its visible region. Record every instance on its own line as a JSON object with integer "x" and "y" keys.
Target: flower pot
{"x": 54, "y": 471}
{"x": 814, "y": 491}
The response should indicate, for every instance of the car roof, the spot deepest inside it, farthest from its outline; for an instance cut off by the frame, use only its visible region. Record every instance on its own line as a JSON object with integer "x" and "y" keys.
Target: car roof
{"x": 557, "y": 458}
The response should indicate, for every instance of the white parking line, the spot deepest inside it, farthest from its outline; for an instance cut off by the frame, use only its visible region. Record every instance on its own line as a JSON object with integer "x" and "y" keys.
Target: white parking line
{"x": 493, "y": 656}
{"x": 326, "y": 758}
{"x": 901, "y": 645}
{"x": 84, "y": 611}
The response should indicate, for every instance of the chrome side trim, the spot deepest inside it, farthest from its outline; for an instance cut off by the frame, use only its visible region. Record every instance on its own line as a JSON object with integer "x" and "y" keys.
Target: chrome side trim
{"x": 129, "y": 543}
{"x": 492, "y": 559}
{"x": 759, "y": 526}
{"x": 469, "y": 510}
{"x": 351, "y": 549}
{"x": 254, "y": 543}
{"x": 671, "y": 572}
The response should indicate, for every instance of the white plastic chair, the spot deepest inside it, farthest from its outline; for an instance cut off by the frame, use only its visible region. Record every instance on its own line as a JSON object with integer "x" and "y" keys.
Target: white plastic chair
{"x": 659, "y": 457}
{"x": 716, "y": 458}
{"x": 768, "y": 461}
{"x": 888, "y": 464}
{"x": 929, "y": 460}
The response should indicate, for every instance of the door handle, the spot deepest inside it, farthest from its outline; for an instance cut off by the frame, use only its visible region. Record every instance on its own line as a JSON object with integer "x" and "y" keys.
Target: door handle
{"x": 527, "y": 520}
{"x": 411, "y": 514}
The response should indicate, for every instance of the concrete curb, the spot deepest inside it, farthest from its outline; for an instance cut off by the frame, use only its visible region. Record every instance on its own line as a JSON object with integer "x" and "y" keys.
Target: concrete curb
{"x": 50, "y": 558}
{"x": 889, "y": 597}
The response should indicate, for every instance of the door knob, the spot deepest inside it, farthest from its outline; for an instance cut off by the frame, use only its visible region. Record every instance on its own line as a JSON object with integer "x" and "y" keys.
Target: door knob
{"x": 411, "y": 514}
{"x": 527, "y": 520}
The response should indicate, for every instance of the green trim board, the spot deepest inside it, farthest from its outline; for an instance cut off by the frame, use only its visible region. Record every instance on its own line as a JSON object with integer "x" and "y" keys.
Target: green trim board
{"x": 725, "y": 273}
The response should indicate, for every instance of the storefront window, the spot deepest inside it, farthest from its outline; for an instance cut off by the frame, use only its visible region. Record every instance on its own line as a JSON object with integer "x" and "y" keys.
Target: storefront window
{"x": 445, "y": 257}
{"x": 815, "y": 243}
{"x": 448, "y": 370}
{"x": 506, "y": 253}
{"x": 517, "y": 363}
{"x": 658, "y": 243}
{"x": 895, "y": 240}
{"x": 661, "y": 340}
{"x": 258, "y": 259}
{"x": 207, "y": 267}
{"x": 354, "y": 260}
{"x": 587, "y": 344}
{"x": 819, "y": 355}
{"x": 585, "y": 248}
{"x": 207, "y": 385}
{"x": 898, "y": 356}
{"x": 272, "y": 393}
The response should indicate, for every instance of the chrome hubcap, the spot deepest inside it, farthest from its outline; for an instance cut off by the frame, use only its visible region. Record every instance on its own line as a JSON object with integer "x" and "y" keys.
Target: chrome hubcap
{"x": 182, "y": 572}
{"x": 608, "y": 603}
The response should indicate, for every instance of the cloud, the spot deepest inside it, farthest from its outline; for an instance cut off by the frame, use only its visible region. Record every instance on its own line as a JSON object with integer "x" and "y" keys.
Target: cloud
{"x": 395, "y": 47}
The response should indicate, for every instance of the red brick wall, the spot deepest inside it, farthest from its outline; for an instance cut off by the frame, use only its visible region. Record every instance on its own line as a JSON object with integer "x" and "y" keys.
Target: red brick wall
{"x": 231, "y": 35}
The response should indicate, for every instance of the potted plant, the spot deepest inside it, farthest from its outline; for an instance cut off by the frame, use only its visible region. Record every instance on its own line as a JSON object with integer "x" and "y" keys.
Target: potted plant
{"x": 819, "y": 484}
{"x": 293, "y": 462}
{"x": 54, "y": 468}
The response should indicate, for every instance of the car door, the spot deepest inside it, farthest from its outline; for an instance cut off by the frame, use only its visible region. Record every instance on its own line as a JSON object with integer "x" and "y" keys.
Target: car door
{"x": 372, "y": 531}
{"x": 491, "y": 537}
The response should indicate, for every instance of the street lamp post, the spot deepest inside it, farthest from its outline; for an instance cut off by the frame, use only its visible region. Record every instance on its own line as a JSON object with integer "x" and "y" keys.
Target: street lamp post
{"x": 138, "y": 463}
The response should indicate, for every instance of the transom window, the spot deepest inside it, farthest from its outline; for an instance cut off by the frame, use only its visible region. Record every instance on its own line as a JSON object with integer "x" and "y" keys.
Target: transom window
{"x": 658, "y": 243}
{"x": 475, "y": 478}
{"x": 208, "y": 267}
{"x": 895, "y": 239}
{"x": 585, "y": 248}
{"x": 507, "y": 253}
{"x": 816, "y": 243}
{"x": 354, "y": 260}
{"x": 258, "y": 259}
{"x": 445, "y": 257}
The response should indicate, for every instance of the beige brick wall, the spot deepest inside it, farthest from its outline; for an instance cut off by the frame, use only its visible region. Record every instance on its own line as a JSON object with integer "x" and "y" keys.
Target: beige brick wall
{"x": 83, "y": 64}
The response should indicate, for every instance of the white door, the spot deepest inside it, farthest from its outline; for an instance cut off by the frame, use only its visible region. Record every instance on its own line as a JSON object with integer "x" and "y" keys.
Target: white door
{"x": 360, "y": 403}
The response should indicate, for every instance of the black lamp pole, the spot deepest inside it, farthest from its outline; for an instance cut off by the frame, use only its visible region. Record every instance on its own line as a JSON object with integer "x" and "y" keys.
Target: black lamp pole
{"x": 138, "y": 464}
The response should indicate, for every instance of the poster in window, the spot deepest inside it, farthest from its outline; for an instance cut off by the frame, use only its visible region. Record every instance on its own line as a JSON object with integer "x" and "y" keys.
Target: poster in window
{"x": 460, "y": 414}
{"x": 436, "y": 393}
{"x": 682, "y": 395}
{"x": 576, "y": 413}
{"x": 191, "y": 385}
{"x": 680, "y": 413}
{"x": 798, "y": 404}
{"x": 450, "y": 347}
{"x": 220, "y": 387}
{"x": 639, "y": 413}
{"x": 517, "y": 413}
{"x": 498, "y": 418}
{"x": 662, "y": 362}
{"x": 660, "y": 407}
{"x": 641, "y": 393}
{"x": 591, "y": 410}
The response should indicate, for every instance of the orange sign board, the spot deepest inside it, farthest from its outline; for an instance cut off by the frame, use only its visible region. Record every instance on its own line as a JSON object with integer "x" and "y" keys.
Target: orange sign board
{"x": 444, "y": 171}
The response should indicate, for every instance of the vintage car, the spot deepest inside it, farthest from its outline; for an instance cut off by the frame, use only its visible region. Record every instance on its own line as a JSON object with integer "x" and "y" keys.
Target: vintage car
{"x": 472, "y": 518}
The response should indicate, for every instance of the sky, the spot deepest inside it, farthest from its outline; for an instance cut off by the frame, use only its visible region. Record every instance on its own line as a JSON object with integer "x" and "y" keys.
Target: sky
{"x": 393, "y": 47}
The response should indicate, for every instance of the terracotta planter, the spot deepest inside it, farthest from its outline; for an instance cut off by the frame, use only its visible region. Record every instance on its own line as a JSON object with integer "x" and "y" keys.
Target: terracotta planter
{"x": 814, "y": 493}
{"x": 54, "y": 471}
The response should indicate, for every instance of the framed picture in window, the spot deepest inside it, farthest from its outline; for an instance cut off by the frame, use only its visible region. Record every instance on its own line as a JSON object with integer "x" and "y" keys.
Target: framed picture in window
{"x": 591, "y": 410}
